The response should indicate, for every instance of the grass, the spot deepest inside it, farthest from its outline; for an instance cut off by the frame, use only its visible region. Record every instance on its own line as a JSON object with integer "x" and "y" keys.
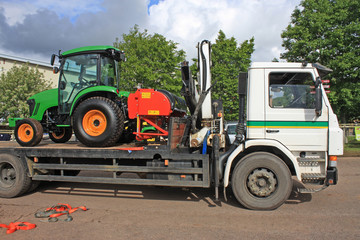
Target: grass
{"x": 352, "y": 148}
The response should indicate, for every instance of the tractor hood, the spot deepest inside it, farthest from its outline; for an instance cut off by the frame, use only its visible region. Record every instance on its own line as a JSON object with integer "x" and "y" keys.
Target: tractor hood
{"x": 39, "y": 102}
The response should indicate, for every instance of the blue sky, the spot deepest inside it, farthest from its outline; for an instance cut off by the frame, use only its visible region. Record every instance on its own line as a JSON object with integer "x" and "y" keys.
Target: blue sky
{"x": 38, "y": 28}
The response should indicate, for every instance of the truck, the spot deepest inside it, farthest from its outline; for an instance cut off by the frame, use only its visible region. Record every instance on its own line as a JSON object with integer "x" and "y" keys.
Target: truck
{"x": 286, "y": 129}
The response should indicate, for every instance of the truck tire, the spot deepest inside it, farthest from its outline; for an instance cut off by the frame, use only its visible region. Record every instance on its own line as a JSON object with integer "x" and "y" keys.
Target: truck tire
{"x": 28, "y": 132}
{"x": 98, "y": 122}
{"x": 14, "y": 180}
{"x": 261, "y": 181}
{"x": 61, "y": 135}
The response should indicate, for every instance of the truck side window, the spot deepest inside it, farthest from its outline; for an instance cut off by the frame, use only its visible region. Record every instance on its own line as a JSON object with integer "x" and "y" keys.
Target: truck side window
{"x": 291, "y": 90}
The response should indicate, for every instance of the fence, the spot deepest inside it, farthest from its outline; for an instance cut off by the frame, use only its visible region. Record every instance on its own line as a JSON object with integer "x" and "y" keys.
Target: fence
{"x": 349, "y": 130}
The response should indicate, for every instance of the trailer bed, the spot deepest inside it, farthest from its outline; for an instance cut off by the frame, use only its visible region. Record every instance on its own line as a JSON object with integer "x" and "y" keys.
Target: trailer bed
{"x": 154, "y": 164}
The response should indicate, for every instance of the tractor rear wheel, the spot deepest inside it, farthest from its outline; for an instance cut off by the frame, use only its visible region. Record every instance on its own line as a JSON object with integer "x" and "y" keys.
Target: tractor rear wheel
{"x": 98, "y": 122}
{"x": 28, "y": 132}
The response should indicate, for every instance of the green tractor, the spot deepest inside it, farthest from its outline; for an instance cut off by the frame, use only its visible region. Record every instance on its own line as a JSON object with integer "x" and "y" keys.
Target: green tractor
{"x": 87, "y": 101}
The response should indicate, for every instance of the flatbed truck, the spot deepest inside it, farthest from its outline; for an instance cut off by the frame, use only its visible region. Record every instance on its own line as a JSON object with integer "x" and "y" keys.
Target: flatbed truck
{"x": 287, "y": 129}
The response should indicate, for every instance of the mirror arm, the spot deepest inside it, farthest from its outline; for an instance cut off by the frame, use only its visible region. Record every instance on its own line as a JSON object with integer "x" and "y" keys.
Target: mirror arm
{"x": 318, "y": 97}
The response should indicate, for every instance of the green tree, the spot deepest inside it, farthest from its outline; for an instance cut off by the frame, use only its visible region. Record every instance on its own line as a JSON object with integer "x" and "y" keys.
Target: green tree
{"x": 152, "y": 60}
{"x": 229, "y": 59}
{"x": 16, "y": 86}
{"x": 327, "y": 31}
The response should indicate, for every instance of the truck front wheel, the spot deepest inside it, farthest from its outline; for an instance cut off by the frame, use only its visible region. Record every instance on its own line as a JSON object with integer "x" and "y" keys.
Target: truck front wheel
{"x": 261, "y": 181}
{"x": 98, "y": 122}
{"x": 28, "y": 132}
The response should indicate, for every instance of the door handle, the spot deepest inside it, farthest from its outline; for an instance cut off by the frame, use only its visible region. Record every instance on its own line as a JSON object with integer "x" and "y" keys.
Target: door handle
{"x": 272, "y": 131}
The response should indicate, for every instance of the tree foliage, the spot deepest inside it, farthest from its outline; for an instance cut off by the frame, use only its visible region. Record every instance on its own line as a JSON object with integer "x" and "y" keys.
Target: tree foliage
{"x": 152, "y": 60}
{"x": 16, "y": 86}
{"x": 327, "y": 31}
{"x": 229, "y": 59}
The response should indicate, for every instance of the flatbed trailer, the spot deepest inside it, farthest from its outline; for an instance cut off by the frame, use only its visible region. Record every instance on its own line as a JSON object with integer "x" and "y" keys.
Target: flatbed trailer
{"x": 52, "y": 162}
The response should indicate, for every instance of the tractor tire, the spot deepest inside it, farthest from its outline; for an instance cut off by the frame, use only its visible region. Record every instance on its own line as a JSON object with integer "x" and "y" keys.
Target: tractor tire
{"x": 61, "y": 135}
{"x": 28, "y": 132}
{"x": 261, "y": 181}
{"x": 14, "y": 179}
{"x": 98, "y": 122}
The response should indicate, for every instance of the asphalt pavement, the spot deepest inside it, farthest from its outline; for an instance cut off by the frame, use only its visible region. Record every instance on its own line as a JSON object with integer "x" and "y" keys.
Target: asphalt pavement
{"x": 140, "y": 212}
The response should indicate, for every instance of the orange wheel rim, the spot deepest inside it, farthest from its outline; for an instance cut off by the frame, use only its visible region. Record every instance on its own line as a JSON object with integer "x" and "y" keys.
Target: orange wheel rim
{"x": 58, "y": 136}
{"x": 94, "y": 123}
{"x": 25, "y": 132}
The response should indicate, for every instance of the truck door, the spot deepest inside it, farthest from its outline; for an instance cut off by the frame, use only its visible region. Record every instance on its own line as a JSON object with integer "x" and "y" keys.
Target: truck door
{"x": 290, "y": 111}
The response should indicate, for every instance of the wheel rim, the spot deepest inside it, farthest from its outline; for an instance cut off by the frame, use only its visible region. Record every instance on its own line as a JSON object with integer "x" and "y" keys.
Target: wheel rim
{"x": 261, "y": 182}
{"x": 7, "y": 175}
{"x": 59, "y": 134}
{"x": 94, "y": 123}
{"x": 25, "y": 132}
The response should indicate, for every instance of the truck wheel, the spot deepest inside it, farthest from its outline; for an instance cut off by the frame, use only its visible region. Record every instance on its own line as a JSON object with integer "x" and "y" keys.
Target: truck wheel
{"x": 98, "y": 122}
{"x": 61, "y": 135}
{"x": 28, "y": 132}
{"x": 14, "y": 180}
{"x": 261, "y": 181}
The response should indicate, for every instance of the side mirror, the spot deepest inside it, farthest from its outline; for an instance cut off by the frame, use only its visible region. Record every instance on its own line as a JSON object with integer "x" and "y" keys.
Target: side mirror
{"x": 62, "y": 85}
{"x": 318, "y": 97}
{"x": 55, "y": 70}
{"x": 122, "y": 56}
{"x": 52, "y": 60}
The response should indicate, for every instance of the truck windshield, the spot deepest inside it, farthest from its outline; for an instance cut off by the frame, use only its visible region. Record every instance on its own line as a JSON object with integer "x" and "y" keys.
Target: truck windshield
{"x": 77, "y": 73}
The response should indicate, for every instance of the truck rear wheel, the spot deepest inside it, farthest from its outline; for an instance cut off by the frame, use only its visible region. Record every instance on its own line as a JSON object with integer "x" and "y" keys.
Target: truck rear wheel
{"x": 261, "y": 181}
{"x": 98, "y": 122}
{"x": 28, "y": 132}
{"x": 14, "y": 180}
{"x": 61, "y": 135}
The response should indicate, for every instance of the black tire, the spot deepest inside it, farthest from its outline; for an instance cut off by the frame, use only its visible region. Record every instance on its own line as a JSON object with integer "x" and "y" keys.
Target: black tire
{"x": 61, "y": 135}
{"x": 261, "y": 181}
{"x": 28, "y": 132}
{"x": 14, "y": 180}
{"x": 98, "y": 122}
{"x": 34, "y": 185}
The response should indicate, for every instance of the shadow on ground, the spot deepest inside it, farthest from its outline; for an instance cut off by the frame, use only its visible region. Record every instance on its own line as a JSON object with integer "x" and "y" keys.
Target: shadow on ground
{"x": 206, "y": 195}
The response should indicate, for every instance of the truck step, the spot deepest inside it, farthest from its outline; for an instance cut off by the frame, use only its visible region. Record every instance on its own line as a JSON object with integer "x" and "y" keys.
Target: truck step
{"x": 311, "y": 190}
{"x": 310, "y": 161}
{"x": 312, "y": 177}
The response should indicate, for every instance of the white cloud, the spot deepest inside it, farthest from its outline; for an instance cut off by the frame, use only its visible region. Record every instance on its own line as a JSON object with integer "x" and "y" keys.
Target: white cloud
{"x": 15, "y": 11}
{"x": 40, "y": 27}
{"x": 189, "y": 21}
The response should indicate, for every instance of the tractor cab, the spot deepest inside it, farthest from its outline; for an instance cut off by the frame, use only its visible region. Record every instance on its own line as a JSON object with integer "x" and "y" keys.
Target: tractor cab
{"x": 81, "y": 69}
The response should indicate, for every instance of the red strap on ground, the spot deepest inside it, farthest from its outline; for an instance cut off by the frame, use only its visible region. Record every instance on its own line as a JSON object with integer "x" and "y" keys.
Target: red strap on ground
{"x": 12, "y": 227}
{"x": 64, "y": 208}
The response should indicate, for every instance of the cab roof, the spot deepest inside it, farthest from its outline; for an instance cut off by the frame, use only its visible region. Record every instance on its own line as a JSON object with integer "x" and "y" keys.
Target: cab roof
{"x": 100, "y": 48}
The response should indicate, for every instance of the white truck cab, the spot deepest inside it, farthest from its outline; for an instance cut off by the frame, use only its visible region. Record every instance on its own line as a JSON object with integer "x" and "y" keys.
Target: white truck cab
{"x": 288, "y": 119}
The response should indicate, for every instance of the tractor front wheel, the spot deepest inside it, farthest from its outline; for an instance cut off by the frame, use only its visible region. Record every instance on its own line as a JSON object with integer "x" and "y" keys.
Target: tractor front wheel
{"x": 61, "y": 135}
{"x": 28, "y": 132}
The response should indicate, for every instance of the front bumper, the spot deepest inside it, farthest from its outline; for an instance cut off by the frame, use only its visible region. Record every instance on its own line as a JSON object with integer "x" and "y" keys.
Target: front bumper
{"x": 332, "y": 176}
